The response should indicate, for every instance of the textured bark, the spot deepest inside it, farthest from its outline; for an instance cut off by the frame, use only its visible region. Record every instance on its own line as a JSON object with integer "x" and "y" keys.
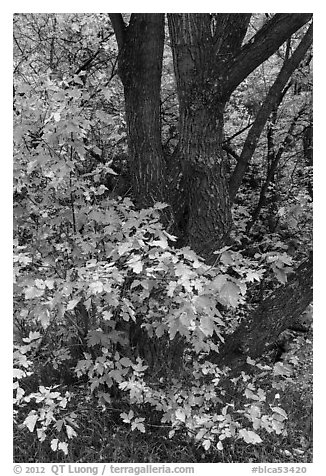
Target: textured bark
{"x": 206, "y": 218}
{"x": 140, "y": 68}
{"x": 209, "y": 62}
{"x": 276, "y": 313}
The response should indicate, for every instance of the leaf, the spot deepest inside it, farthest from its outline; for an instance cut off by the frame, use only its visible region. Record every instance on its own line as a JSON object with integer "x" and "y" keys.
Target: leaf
{"x": 32, "y": 336}
{"x": 280, "y": 275}
{"x": 126, "y": 362}
{"x": 41, "y": 434}
{"x": 250, "y": 436}
{"x": 63, "y": 447}
{"x": 278, "y": 427}
{"x": 206, "y": 325}
{"x": 255, "y": 411}
{"x": 161, "y": 243}
{"x": 96, "y": 287}
{"x": 219, "y": 446}
{"x": 207, "y": 444}
{"x": 49, "y": 283}
{"x": 138, "y": 425}
{"x": 18, "y": 374}
{"x": 280, "y": 411}
{"x": 126, "y": 418}
{"x": 30, "y": 422}
{"x": 218, "y": 282}
{"x": 54, "y": 444}
{"x": 227, "y": 258}
{"x": 33, "y": 292}
{"x": 70, "y": 432}
{"x": 280, "y": 369}
{"x": 180, "y": 415}
{"x": 59, "y": 425}
{"x": 230, "y": 293}
{"x": 71, "y": 304}
{"x": 160, "y": 205}
{"x": 78, "y": 80}
{"x": 135, "y": 264}
{"x": 106, "y": 397}
{"x": 250, "y": 394}
{"x": 252, "y": 276}
{"x": 124, "y": 247}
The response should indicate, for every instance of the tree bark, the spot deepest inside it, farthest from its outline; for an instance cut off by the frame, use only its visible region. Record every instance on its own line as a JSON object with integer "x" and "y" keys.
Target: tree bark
{"x": 206, "y": 218}
{"x": 277, "y": 312}
{"x": 140, "y": 68}
{"x": 209, "y": 63}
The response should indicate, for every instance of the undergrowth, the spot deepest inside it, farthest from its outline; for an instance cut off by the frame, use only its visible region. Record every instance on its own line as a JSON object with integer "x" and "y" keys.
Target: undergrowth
{"x": 103, "y": 438}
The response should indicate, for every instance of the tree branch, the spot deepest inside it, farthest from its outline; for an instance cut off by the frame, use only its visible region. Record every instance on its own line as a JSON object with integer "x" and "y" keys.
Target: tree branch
{"x": 266, "y": 41}
{"x": 257, "y": 334}
{"x": 269, "y": 104}
{"x": 119, "y": 28}
{"x": 276, "y": 157}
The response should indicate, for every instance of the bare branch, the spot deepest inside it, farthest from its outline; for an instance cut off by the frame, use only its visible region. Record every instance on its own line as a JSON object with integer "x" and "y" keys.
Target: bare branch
{"x": 270, "y": 102}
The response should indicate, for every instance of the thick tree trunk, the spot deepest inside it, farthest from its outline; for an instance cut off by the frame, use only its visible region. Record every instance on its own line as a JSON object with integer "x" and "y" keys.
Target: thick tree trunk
{"x": 210, "y": 62}
{"x": 140, "y": 68}
{"x": 277, "y": 312}
{"x": 206, "y": 218}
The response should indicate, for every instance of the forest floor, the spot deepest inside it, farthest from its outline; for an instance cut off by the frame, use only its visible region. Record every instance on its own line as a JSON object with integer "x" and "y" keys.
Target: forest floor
{"x": 102, "y": 438}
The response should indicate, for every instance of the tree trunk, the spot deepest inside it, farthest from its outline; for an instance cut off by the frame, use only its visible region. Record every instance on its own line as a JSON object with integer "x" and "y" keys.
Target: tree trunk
{"x": 276, "y": 313}
{"x": 205, "y": 221}
{"x": 209, "y": 63}
{"x": 140, "y": 68}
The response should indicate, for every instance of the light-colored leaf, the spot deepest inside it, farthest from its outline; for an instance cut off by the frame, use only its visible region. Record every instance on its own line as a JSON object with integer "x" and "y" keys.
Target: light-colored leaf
{"x": 63, "y": 447}
{"x": 30, "y": 421}
{"x": 280, "y": 411}
{"x": 219, "y": 446}
{"x": 70, "y": 432}
{"x": 33, "y": 292}
{"x": 250, "y": 436}
{"x": 207, "y": 444}
{"x": 180, "y": 415}
{"x": 54, "y": 444}
{"x": 71, "y": 304}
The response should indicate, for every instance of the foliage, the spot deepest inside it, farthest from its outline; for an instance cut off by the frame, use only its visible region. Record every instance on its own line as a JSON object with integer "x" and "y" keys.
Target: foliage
{"x": 126, "y": 278}
{"x": 107, "y": 310}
